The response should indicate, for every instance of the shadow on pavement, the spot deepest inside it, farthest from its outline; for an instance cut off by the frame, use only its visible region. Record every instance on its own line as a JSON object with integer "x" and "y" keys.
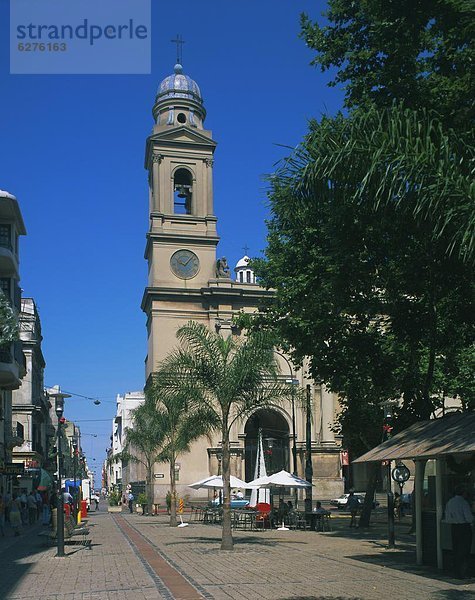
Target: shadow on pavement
{"x": 17, "y": 557}
{"x": 406, "y": 561}
{"x": 238, "y": 541}
{"x": 453, "y": 595}
{"x": 323, "y": 598}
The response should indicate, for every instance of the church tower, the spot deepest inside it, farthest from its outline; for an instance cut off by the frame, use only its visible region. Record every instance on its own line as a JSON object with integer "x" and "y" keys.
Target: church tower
{"x": 182, "y": 237}
{"x": 187, "y": 282}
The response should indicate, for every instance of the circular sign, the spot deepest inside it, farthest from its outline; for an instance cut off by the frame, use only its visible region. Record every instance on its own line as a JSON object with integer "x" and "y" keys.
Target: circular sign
{"x": 400, "y": 474}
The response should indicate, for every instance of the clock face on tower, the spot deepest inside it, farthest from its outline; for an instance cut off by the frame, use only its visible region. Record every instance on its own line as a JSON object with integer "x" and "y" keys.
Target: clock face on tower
{"x": 185, "y": 264}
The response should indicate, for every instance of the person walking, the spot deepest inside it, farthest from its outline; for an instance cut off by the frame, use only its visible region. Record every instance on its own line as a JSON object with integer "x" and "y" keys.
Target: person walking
{"x": 130, "y": 498}
{"x": 23, "y": 499}
{"x": 32, "y": 509}
{"x": 2, "y": 513}
{"x": 15, "y": 514}
{"x": 46, "y": 508}
{"x": 353, "y": 505}
{"x": 459, "y": 515}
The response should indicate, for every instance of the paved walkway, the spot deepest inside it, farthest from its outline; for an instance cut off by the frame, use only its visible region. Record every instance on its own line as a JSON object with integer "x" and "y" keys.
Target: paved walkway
{"x": 143, "y": 558}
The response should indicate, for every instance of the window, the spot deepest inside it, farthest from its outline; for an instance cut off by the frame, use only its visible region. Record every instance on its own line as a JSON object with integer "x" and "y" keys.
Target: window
{"x": 5, "y": 286}
{"x": 5, "y": 236}
{"x": 182, "y": 192}
{"x": 181, "y": 118}
{"x": 248, "y": 276}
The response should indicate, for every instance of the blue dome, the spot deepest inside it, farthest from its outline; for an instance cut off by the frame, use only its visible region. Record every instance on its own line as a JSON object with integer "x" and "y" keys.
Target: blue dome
{"x": 179, "y": 85}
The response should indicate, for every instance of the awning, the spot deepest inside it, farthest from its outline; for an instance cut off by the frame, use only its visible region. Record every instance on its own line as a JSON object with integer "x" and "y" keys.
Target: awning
{"x": 452, "y": 434}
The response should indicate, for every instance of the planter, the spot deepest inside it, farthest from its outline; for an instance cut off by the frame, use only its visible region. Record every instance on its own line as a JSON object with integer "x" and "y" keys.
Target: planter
{"x": 114, "y": 509}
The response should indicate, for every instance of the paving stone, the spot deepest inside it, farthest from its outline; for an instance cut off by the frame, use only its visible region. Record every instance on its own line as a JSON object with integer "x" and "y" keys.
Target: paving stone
{"x": 340, "y": 565}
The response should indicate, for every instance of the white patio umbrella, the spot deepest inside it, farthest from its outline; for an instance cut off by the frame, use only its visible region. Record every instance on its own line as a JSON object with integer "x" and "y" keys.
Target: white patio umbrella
{"x": 216, "y": 481}
{"x": 280, "y": 479}
{"x": 259, "y": 494}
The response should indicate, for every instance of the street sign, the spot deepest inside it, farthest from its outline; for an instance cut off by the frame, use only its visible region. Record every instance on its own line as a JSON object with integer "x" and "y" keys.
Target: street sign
{"x": 12, "y": 469}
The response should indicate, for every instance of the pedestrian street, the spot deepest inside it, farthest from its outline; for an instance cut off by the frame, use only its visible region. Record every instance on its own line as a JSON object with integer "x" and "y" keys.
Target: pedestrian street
{"x": 141, "y": 557}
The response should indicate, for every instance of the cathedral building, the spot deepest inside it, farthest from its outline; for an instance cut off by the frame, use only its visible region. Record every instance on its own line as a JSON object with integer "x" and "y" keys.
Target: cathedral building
{"x": 188, "y": 280}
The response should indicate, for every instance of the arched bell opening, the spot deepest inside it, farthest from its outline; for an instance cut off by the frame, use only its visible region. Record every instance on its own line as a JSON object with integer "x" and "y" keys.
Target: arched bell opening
{"x": 275, "y": 442}
{"x": 182, "y": 192}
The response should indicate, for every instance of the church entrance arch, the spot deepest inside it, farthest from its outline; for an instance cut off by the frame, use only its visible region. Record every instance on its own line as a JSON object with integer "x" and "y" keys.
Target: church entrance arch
{"x": 275, "y": 441}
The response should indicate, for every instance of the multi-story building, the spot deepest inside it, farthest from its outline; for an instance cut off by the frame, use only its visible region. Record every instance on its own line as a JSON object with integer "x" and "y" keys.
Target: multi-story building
{"x": 12, "y": 360}
{"x": 121, "y": 473}
{"x": 30, "y": 404}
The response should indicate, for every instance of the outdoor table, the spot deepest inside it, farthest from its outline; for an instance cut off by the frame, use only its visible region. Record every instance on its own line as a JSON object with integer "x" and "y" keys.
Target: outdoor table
{"x": 319, "y": 521}
{"x": 244, "y": 519}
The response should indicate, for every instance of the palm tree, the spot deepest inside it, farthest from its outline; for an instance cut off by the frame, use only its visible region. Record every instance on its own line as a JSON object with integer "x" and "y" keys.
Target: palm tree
{"x": 144, "y": 441}
{"x": 230, "y": 378}
{"x": 181, "y": 421}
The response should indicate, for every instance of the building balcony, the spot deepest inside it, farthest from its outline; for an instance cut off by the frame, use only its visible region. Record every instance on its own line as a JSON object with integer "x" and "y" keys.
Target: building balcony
{"x": 12, "y": 365}
{"x": 17, "y": 436}
{"x": 8, "y": 260}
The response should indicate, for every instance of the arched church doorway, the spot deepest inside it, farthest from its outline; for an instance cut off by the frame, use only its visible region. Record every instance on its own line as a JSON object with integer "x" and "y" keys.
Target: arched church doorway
{"x": 275, "y": 441}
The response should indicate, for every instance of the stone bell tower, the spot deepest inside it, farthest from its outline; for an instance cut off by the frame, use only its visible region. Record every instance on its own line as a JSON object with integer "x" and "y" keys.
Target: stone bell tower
{"x": 182, "y": 238}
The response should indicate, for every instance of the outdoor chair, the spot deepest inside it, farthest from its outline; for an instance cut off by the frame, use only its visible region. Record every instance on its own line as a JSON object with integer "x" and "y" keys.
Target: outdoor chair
{"x": 297, "y": 520}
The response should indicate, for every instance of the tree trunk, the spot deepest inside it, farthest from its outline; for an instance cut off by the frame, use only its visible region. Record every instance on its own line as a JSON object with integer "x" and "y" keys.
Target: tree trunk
{"x": 369, "y": 497}
{"x": 227, "y": 536}
{"x": 149, "y": 484}
{"x": 172, "y": 492}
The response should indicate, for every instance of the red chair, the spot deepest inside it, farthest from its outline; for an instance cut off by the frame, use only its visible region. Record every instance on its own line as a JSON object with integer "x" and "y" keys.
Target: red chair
{"x": 262, "y": 516}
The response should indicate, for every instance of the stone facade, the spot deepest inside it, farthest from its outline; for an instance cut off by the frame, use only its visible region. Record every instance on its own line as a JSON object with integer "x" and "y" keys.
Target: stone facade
{"x": 187, "y": 281}
{"x": 30, "y": 405}
{"x": 12, "y": 361}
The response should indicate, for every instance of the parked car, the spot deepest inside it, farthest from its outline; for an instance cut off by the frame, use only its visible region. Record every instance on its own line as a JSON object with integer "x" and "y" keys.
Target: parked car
{"x": 235, "y": 503}
{"x": 342, "y": 501}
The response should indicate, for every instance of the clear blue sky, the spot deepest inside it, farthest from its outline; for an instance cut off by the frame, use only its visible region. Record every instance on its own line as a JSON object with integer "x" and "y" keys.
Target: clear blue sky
{"x": 72, "y": 152}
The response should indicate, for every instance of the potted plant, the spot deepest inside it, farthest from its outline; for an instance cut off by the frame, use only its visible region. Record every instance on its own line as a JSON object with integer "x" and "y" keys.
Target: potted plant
{"x": 142, "y": 500}
{"x": 114, "y": 502}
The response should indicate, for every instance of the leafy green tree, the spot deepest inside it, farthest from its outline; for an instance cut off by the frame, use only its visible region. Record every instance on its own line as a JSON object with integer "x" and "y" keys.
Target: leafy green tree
{"x": 144, "y": 441}
{"x": 371, "y": 294}
{"x": 181, "y": 421}
{"x": 418, "y": 52}
{"x": 230, "y": 377}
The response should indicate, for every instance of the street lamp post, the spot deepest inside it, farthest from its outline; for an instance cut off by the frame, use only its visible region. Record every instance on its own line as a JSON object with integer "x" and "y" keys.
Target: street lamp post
{"x": 59, "y": 409}
{"x": 293, "y": 381}
{"x": 75, "y": 457}
{"x": 308, "y": 452}
{"x": 387, "y": 428}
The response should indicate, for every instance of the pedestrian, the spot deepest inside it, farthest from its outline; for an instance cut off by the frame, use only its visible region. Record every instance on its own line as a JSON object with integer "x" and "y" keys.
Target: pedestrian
{"x": 67, "y": 498}
{"x": 459, "y": 515}
{"x": 2, "y": 513}
{"x": 32, "y": 509}
{"x": 39, "y": 504}
{"x": 46, "y": 508}
{"x": 23, "y": 507}
{"x": 16, "y": 514}
{"x": 397, "y": 506}
{"x": 353, "y": 505}
{"x": 7, "y": 500}
{"x": 130, "y": 498}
